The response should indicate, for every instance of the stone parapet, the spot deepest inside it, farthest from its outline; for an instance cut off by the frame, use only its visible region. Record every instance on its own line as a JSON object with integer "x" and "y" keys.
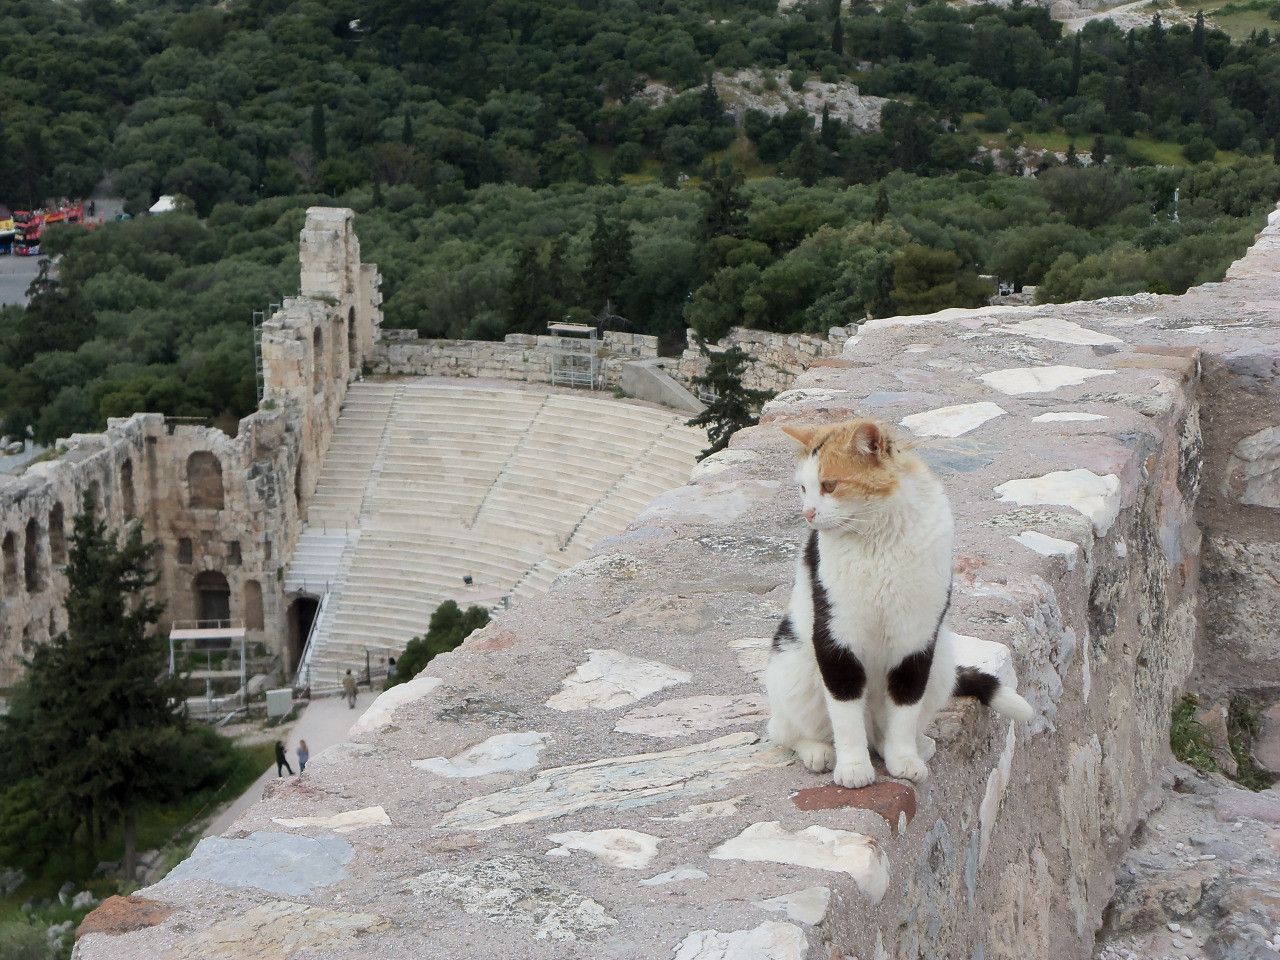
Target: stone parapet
{"x": 776, "y": 359}
{"x": 524, "y": 357}
{"x": 588, "y": 777}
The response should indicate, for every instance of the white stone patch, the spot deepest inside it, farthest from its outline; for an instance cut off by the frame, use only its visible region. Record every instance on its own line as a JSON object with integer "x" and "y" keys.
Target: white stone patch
{"x": 753, "y": 655}
{"x": 1019, "y": 380}
{"x": 989, "y": 656}
{"x": 1048, "y": 546}
{"x": 769, "y": 941}
{"x": 381, "y": 712}
{"x": 1253, "y": 472}
{"x": 610, "y": 679}
{"x": 1067, "y": 416}
{"x": 806, "y": 906}
{"x": 621, "y": 782}
{"x": 503, "y": 753}
{"x": 722, "y": 461}
{"x": 678, "y": 718}
{"x": 819, "y": 848}
{"x": 1058, "y": 330}
{"x": 791, "y": 398}
{"x": 952, "y": 421}
{"x": 715, "y": 810}
{"x": 678, "y": 875}
{"x": 625, "y": 849}
{"x": 515, "y": 893}
{"x": 1096, "y": 496}
{"x": 918, "y": 348}
{"x": 997, "y": 783}
{"x": 339, "y": 822}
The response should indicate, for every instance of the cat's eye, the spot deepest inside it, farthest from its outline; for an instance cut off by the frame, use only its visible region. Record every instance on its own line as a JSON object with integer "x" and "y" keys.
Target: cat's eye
{"x": 828, "y": 486}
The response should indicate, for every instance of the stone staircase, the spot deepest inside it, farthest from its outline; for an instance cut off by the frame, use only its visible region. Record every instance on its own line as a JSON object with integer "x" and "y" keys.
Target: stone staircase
{"x": 428, "y": 481}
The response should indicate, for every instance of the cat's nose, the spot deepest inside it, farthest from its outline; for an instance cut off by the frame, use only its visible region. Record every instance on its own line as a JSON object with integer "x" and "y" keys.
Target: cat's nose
{"x": 810, "y": 513}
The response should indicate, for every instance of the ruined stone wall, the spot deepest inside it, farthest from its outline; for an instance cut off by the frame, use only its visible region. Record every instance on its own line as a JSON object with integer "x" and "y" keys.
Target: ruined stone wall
{"x": 225, "y": 511}
{"x": 519, "y": 356}
{"x": 777, "y": 359}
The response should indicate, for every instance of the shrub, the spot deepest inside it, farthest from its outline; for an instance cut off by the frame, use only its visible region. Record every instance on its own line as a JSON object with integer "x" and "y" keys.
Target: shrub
{"x": 21, "y": 941}
{"x": 1199, "y": 150}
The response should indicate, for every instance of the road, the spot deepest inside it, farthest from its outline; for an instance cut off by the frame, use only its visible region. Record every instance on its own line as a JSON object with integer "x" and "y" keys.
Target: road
{"x": 322, "y": 724}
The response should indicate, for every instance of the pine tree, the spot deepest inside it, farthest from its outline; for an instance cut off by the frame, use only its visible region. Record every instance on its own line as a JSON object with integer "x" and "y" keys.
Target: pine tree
{"x": 1072, "y": 159}
{"x": 1098, "y": 154}
{"x": 1197, "y": 35}
{"x": 406, "y": 133}
{"x": 837, "y": 29}
{"x": 319, "y": 139}
{"x": 1073, "y": 85}
{"x": 710, "y": 105}
{"x": 724, "y": 206}
{"x": 731, "y": 405}
{"x": 609, "y": 262}
{"x": 881, "y": 209}
{"x": 102, "y": 719}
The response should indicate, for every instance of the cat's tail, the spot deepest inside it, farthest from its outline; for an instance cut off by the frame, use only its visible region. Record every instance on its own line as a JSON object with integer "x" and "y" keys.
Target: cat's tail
{"x": 982, "y": 686}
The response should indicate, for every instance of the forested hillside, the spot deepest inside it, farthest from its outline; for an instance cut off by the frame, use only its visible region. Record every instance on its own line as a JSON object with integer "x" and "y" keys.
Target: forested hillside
{"x": 514, "y": 161}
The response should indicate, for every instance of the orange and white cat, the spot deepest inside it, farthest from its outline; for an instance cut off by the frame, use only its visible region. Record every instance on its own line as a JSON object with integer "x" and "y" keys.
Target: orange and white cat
{"x": 861, "y": 660}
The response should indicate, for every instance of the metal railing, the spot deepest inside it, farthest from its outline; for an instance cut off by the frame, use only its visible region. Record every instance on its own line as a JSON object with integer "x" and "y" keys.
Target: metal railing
{"x": 302, "y": 676}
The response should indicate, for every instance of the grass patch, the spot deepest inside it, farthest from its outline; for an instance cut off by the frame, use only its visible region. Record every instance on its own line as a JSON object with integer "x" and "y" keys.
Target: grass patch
{"x": 1243, "y": 723}
{"x": 1189, "y": 739}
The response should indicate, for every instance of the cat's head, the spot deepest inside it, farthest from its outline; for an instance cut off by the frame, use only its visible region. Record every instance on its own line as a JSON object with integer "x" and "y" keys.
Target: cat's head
{"x": 849, "y": 473}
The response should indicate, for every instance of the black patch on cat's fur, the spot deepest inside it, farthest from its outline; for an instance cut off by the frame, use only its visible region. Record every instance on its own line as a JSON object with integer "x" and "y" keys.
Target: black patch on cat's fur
{"x": 784, "y": 638}
{"x": 842, "y": 672}
{"x": 906, "y": 681}
{"x": 972, "y": 682}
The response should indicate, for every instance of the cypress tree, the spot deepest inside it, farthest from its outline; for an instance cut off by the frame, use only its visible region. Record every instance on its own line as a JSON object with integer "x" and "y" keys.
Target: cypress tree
{"x": 319, "y": 139}
{"x": 1073, "y": 85}
{"x": 1275, "y": 152}
{"x": 1072, "y": 159}
{"x": 881, "y": 209}
{"x": 837, "y": 29}
{"x": 731, "y": 405}
{"x": 104, "y": 730}
{"x": 711, "y": 108}
{"x": 1197, "y": 35}
{"x": 1099, "y": 152}
{"x": 406, "y": 134}
{"x": 609, "y": 262}
{"x": 724, "y": 206}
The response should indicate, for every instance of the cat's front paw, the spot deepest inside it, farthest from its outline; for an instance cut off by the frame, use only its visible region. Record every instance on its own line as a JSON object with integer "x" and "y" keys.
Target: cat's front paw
{"x": 907, "y": 767}
{"x": 855, "y": 773}
{"x": 818, "y": 757}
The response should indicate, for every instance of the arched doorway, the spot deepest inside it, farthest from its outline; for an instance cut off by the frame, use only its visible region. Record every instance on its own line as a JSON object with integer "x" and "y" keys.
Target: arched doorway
{"x": 212, "y": 596}
{"x": 301, "y": 615}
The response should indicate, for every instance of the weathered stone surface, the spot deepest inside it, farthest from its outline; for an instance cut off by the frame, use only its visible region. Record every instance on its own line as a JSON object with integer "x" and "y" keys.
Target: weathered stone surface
{"x": 621, "y": 782}
{"x": 1253, "y": 474}
{"x": 1266, "y": 748}
{"x": 806, "y": 906}
{"x": 116, "y": 915}
{"x": 1022, "y": 380}
{"x": 817, "y": 847}
{"x": 514, "y": 892}
{"x": 280, "y": 863}
{"x": 502, "y": 753}
{"x": 677, "y": 875}
{"x": 678, "y": 718}
{"x": 611, "y": 679}
{"x": 1097, "y": 497}
{"x": 1058, "y": 330}
{"x": 625, "y": 849}
{"x": 769, "y": 941}
{"x": 952, "y": 421}
{"x": 892, "y": 800}
{"x": 1048, "y": 546}
{"x": 339, "y": 822}
{"x": 278, "y": 930}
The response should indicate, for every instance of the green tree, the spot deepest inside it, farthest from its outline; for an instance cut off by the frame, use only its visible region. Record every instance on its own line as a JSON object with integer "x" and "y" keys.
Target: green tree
{"x": 406, "y": 133}
{"x": 1073, "y": 82}
{"x": 881, "y": 208}
{"x": 319, "y": 136}
{"x": 609, "y": 262}
{"x": 837, "y": 28}
{"x": 926, "y": 280}
{"x": 1197, "y": 36}
{"x": 730, "y": 405}
{"x": 448, "y": 627}
{"x": 724, "y": 206}
{"x": 99, "y": 717}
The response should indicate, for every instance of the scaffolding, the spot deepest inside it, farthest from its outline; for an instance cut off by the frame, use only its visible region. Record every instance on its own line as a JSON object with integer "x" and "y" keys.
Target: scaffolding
{"x": 259, "y": 318}
{"x": 212, "y": 651}
{"x": 575, "y": 355}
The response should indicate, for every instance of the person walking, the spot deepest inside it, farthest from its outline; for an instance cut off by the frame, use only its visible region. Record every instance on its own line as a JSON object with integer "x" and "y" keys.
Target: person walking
{"x": 391, "y": 670}
{"x": 282, "y": 761}
{"x": 349, "y": 689}
{"x": 304, "y": 754}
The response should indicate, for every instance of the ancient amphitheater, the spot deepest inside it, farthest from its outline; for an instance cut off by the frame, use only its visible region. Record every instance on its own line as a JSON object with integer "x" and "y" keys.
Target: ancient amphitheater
{"x": 587, "y": 777}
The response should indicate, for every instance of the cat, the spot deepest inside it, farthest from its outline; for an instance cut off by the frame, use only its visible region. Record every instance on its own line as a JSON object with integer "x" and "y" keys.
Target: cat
{"x": 861, "y": 659}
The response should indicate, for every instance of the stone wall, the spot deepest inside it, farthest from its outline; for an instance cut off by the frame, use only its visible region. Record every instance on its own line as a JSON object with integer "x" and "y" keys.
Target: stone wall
{"x": 519, "y": 356}
{"x": 777, "y": 359}
{"x": 587, "y": 777}
{"x": 225, "y": 511}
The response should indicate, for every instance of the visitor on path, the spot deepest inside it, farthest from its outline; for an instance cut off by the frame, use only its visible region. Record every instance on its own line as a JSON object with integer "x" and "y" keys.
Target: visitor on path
{"x": 304, "y": 754}
{"x": 391, "y": 670}
{"x": 349, "y": 689}
{"x": 282, "y": 761}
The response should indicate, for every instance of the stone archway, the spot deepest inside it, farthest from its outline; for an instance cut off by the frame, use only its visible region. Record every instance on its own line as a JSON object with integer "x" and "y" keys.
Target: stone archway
{"x": 302, "y": 613}
{"x": 212, "y": 595}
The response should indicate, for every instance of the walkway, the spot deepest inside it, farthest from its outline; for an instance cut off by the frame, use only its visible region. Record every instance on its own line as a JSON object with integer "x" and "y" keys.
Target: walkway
{"x": 322, "y": 724}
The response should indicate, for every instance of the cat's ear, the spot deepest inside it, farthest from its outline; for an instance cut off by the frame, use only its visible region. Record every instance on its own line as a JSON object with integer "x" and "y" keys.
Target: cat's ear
{"x": 801, "y": 434}
{"x": 870, "y": 439}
